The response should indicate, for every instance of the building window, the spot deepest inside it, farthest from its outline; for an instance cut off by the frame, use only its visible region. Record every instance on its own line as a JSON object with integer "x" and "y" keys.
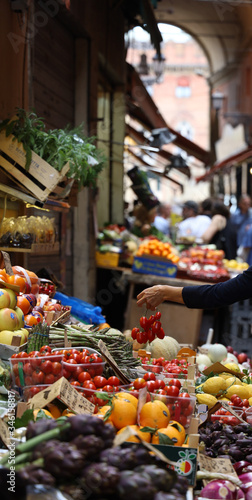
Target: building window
{"x": 183, "y": 88}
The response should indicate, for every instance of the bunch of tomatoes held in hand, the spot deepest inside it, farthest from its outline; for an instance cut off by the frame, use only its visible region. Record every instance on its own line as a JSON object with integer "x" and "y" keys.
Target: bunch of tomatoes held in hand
{"x": 151, "y": 328}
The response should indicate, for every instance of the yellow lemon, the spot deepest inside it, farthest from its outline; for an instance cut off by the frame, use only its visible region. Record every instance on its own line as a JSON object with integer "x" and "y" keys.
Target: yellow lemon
{"x": 214, "y": 385}
{"x": 233, "y": 366}
{"x": 240, "y": 390}
{"x": 233, "y": 380}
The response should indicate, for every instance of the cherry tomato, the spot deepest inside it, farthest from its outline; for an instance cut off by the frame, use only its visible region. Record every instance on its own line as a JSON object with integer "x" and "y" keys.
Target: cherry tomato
{"x": 150, "y": 335}
{"x": 161, "y": 333}
{"x": 151, "y": 385}
{"x": 38, "y": 377}
{"x": 45, "y": 348}
{"x": 76, "y": 356}
{"x": 56, "y": 368}
{"x": 77, "y": 371}
{"x": 160, "y": 384}
{"x": 151, "y": 320}
{"x": 139, "y": 383}
{"x": 35, "y": 362}
{"x": 22, "y": 354}
{"x": 28, "y": 380}
{"x": 27, "y": 369}
{"x": 83, "y": 377}
{"x": 236, "y": 400}
{"x": 49, "y": 379}
{"x": 143, "y": 322}
{"x": 113, "y": 381}
{"x": 108, "y": 388}
{"x": 141, "y": 338}
{"x": 70, "y": 364}
{"x": 134, "y": 333}
{"x": 175, "y": 381}
{"x": 66, "y": 373}
{"x": 156, "y": 327}
{"x": 185, "y": 396}
{"x": 157, "y": 315}
{"x": 33, "y": 391}
{"x": 99, "y": 381}
{"x": 46, "y": 366}
{"x": 188, "y": 411}
{"x": 172, "y": 390}
{"x": 245, "y": 403}
{"x": 149, "y": 376}
{"x": 75, "y": 383}
{"x": 88, "y": 384}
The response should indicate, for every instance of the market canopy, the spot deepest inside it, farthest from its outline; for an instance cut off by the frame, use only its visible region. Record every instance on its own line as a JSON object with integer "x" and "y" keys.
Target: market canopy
{"x": 225, "y": 165}
{"x": 141, "y": 107}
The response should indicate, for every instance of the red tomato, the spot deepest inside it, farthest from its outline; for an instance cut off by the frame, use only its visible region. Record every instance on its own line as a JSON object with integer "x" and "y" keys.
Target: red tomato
{"x": 83, "y": 377}
{"x": 245, "y": 403}
{"x": 160, "y": 384}
{"x": 70, "y": 365}
{"x": 156, "y": 327}
{"x": 38, "y": 377}
{"x": 161, "y": 333}
{"x": 27, "y": 369}
{"x": 172, "y": 390}
{"x": 151, "y": 385}
{"x": 113, "y": 381}
{"x": 188, "y": 410}
{"x": 175, "y": 381}
{"x": 185, "y": 399}
{"x": 161, "y": 391}
{"x": 108, "y": 388}
{"x": 143, "y": 322}
{"x": 99, "y": 381}
{"x": 28, "y": 380}
{"x": 149, "y": 376}
{"x": 150, "y": 335}
{"x": 22, "y": 354}
{"x": 141, "y": 337}
{"x": 236, "y": 400}
{"x": 75, "y": 383}
{"x": 35, "y": 362}
{"x": 134, "y": 333}
{"x": 45, "y": 348}
{"x": 77, "y": 371}
{"x": 66, "y": 373}
{"x": 157, "y": 315}
{"x": 56, "y": 368}
{"x": 46, "y": 366}
{"x": 151, "y": 320}
{"x": 88, "y": 384}
{"x": 139, "y": 383}
{"x": 49, "y": 379}
{"x": 134, "y": 392}
{"x": 76, "y": 356}
{"x": 33, "y": 391}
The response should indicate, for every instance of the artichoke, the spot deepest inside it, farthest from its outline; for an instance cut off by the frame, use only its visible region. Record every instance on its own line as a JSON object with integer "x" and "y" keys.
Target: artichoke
{"x": 84, "y": 424}
{"x": 39, "y": 427}
{"x": 64, "y": 461}
{"x": 122, "y": 458}
{"x": 34, "y": 474}
{"x": 135, "y": 486}
{"x": 100, "y": 479}
{"x": 162, "y": 479}
{"x": 90, "y": 446}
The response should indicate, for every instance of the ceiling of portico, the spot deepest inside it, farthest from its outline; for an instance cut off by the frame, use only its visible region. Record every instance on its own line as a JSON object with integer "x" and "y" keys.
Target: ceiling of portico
{"x": 222, "y": 28}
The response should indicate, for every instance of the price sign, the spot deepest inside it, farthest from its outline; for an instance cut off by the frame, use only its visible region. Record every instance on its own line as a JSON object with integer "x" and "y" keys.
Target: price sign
{"x": 66, "y": 393}
{"x": 218, "y": 465}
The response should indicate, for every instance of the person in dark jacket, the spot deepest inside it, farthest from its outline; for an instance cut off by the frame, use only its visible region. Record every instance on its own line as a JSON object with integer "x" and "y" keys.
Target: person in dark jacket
{"x": 200, "y": 296}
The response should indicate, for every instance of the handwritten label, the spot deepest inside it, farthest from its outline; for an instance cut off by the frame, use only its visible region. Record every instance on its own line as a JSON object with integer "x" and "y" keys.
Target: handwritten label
{"x": 218, "y": 465}
{"x": 66, "y": 393}
{"x": 4, "y": 433}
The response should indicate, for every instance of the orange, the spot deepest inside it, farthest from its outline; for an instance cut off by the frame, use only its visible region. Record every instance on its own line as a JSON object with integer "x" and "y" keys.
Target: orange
{"x": 123, "y": 413}
{"x": 23, "y": 304}
{"x": 103, "y": 325}
{"x": 46, "y": 412}
{"x": 3, "y": 275}
{"x": 31, "y": 320}
{"x": 171, "y": 432}
{"x": 15, "y": 279}
{"x": 67, "y": 413}
{"x": 179, "y": 427}
{"x": 145, "y": 436}
{"x": 128, "y": 397}
{"x": 54, "y": 410}
{"x": 102, "y": 412}
{"x": 154, "y": 414}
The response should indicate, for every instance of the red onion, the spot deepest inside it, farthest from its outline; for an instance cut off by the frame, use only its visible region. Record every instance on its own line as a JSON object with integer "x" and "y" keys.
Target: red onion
{"x": 220, "y": 489}
{"x": 239, "y": 466}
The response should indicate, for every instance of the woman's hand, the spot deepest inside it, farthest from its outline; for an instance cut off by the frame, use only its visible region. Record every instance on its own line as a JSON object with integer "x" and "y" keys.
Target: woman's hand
{"x": 157, "y": 294}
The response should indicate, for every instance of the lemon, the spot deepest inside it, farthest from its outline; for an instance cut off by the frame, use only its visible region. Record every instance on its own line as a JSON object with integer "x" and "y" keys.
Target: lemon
{"x": 233, "y": 366}
{"x": 214, "y": 385}
{"x": 250, "y": 401}
{"x": 249, "y": 387}
{"x": 239, "y": 390}
{"x": 225, "y": 375}
{"x": 222, "y": 398}
{"x": 233, "y": 380}
{"x": 206, "y": 399}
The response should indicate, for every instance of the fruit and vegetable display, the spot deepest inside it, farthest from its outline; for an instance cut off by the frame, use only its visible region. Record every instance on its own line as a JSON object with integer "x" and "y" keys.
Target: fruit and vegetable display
{"x": 157, "y": 248}
{"x": 203, "y": 264}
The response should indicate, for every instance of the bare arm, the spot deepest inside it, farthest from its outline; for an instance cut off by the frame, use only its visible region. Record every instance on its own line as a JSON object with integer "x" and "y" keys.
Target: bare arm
{"x": 218, "y": 223}
{"x": 157, "y": 294}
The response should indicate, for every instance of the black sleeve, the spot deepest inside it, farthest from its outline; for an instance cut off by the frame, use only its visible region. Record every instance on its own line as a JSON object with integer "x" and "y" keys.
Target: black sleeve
{"x": 220, "y": 294}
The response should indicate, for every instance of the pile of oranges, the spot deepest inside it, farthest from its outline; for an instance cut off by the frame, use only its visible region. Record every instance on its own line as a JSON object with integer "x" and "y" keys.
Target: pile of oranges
{"x": 159, "y": 249}
{"x": 152, "y": 425}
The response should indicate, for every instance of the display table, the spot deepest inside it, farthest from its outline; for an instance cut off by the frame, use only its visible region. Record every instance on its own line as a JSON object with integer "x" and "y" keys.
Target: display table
{"x": 177, "y": 320}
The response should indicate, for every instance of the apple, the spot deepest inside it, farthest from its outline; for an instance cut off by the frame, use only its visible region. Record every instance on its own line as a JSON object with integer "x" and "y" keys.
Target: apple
{"x": 8, "y": 319}
{"x": 4, "y": 298}
{"x": 242, "y": 357}
{"x": 13, "y": 299}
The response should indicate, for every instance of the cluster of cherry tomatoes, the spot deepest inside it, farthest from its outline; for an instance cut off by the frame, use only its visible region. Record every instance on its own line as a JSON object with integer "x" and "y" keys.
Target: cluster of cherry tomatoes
{"x": 177, "y": 367}
{"x": 151, "y": 328}
{"x": 37, "y": 367}
{"x": 226, "y": 416}
{"x": 180, "y": 404}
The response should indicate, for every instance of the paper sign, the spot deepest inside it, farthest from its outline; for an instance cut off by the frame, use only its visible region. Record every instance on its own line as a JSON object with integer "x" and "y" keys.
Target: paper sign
{"x": 4, "y": 433}
{"x": 218, "y": 465}
{"x": 66, "y": 393}
{"x": 219, "y": 368}
{"x": 109, "y": 358}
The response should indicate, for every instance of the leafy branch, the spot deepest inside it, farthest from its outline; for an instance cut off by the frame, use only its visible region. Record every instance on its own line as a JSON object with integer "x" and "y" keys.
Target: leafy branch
{"x": 57, "y": 147}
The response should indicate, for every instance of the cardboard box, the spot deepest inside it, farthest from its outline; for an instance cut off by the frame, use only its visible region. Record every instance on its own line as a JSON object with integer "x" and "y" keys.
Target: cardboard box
{"x": 154, "y": 265}
{"x": 40, "y": 179}
{"x": 110, "y": 259}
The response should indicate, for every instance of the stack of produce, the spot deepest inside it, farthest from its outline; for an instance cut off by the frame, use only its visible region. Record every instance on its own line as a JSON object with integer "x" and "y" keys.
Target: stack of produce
{"x": 154, "y": 247}
{"x": 203, "y": 264}
{"x": 76, "y": 456}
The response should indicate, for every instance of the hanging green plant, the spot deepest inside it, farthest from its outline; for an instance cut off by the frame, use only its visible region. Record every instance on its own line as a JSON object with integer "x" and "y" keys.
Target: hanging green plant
{"x": 57, "y": 147}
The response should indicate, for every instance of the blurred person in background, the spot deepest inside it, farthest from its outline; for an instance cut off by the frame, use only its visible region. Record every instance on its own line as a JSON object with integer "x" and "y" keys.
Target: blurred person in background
{"x": 242, "y": 217}
{"x": 193, "y": 224}
{"x": 205, "y": 207}
{"x": 221, "y": 232}
{"x": 162, "y": 219}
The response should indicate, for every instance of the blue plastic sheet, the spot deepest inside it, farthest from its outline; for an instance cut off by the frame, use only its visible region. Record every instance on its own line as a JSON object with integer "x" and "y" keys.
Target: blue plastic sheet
{"x": 81, "y": 310}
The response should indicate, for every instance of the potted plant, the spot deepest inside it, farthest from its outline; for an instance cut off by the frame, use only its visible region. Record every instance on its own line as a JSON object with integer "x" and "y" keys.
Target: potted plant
{"x": 58, "y": 147}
